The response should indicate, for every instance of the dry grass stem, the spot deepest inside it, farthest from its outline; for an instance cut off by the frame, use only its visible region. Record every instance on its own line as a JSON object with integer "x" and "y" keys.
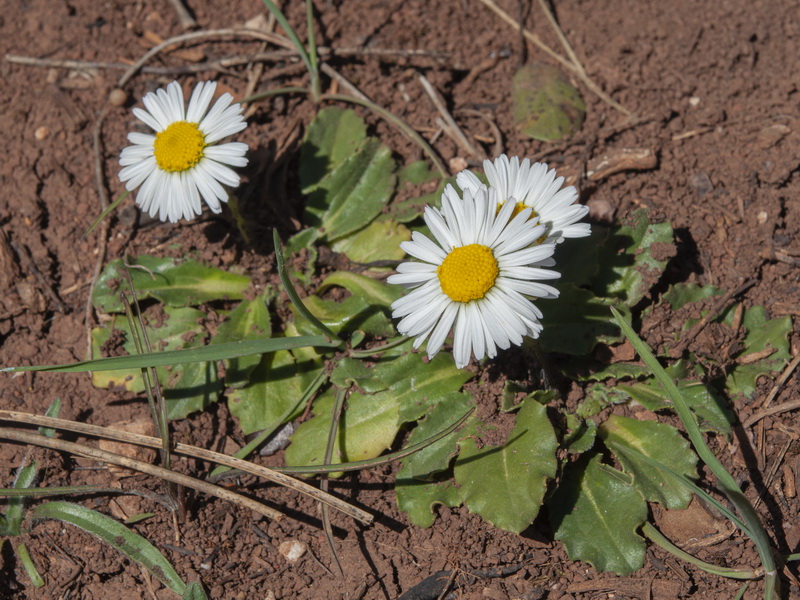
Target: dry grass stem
{"x": 187, "y": 450}
{"x": 575, "y": 68}
{"x": 36, "y": 439}
{"x": 450, "y": 126}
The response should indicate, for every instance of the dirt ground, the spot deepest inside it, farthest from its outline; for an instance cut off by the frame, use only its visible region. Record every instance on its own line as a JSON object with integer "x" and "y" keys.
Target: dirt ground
{"x": 713, "y": 87}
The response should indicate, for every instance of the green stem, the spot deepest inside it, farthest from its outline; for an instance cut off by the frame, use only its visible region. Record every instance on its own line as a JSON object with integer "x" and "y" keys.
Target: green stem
{"x": 367, "y": 352}
{"x": 726, "y": 482}
{"x": 316, "y": 91}
{"x": 290, "y": 291}
{"x": 301, "y": 50}
{"x": 313, "y": 387}
{"x": 398, "y": 122}
{"x": 30, "y": 568}
{"x": 105, "y": 213}
{"x": 655, "y": 536}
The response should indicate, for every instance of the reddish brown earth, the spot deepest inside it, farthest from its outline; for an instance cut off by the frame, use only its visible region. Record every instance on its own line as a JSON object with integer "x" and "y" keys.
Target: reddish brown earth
{"x": 714, "y": 89}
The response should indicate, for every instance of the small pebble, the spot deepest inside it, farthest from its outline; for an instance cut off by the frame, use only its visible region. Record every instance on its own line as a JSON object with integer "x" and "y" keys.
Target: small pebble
{"x": 292, "y": 550}
{"x": 601, "y": 211}
{"x": 118, "y": 97}
{"x": 457, "y": 164}
{"x": 41, "y": 133}
{"x": 762, "y": 217}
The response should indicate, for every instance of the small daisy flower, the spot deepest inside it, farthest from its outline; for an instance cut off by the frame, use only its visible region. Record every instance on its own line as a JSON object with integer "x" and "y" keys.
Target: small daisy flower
{"x": 478, "y": 277}
{"x": 533, "y": 186}
{"x": 181, "y": 163}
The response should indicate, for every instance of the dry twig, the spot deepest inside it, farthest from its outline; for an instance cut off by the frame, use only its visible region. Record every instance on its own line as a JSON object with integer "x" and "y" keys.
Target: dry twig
{"x": 36, "y": 439}
{"x": 450, "y": 126}
{"x": 202, "y": 453}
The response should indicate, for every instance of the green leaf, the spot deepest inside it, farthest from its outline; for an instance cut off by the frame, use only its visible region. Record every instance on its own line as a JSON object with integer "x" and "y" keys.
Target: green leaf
{"x": 368, "y": 427}
{"x": 380, "y": 240}
{"x": 761, "y": 334}
{"x": 599, "y": 397}
{"x": 272, "y": 394}
{"x": 661, "y": 443}
{"x": 596, "y": 514}
{"x": 117, "y": 535}
{"x": 506, "y": 484}
{"x": 25, "y": 478}
{"x": 248, "y": 321}
{"x": 702, "y": 399}
{"x": 632, "y": 259}
{"x": 437, "y": 457}
{"x": 175, "y": 284}
{"x": 418, "y": 498}
{"x": 350, "y": 370}
{"x": 29, "y": 566}
{"x": 52, "y": 411}
{"x": 576, "y": 322}
{"x": 418, "y": 384}
{"x": 578, "y": 260}
{"x": 417, "y": 173}
{"x": 194, "y": 591}
{"x": 188, "y": 387}
{"x": 351, "y": 196}
{"x": 367, "y": 308}
{"x": 581, "y": 436}
{"x": 546, "y": 106}
{"x": 681, "y": 294}
{"x": 332, "y": 137}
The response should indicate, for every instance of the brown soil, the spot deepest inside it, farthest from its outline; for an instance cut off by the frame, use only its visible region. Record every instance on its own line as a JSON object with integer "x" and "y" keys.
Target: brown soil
{"x": 715, "y": 88}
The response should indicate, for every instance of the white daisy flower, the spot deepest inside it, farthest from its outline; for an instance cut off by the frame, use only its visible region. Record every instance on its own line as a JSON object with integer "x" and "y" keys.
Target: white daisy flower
{"x": 479, "y": 275}
{"x": 181, "y": 162}
{"x": 533, "y": 186}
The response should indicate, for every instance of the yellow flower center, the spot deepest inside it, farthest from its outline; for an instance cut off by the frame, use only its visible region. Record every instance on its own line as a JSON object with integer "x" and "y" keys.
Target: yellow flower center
{"x": 468, "y": 272}
{"x": 517, "y": 209}
{"x": 179, "y": 147}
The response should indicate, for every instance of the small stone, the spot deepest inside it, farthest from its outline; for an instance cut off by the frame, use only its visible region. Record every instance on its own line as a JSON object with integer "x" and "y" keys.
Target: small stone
{"x": 118, "y": 97}
{"x": 600, "y": 210}
{"x": 292, "y": 550}
{"x": 41, "y": 133}
{"x": 762, "y": 217}
{"x": 457, "y": 164}
{"x": 694, "y": 101}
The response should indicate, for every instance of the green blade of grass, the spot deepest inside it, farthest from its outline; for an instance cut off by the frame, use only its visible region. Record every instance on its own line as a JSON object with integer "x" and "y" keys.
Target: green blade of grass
{"x": 655, "y": 536}
{"x": 117, "y": 535}
{"x": 26, "y": 476}
{"x": 726, "y": 481}
{"x": 30, "y": 568}
{"x": 189, "y": 355}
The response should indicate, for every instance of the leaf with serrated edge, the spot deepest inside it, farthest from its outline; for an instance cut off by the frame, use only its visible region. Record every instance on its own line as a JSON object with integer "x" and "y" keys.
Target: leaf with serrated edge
{"x": 660, "y": 442}
{"x": 762, "y": 333}
{"x": 596, "y": 514}
{"x": 175, "y": 283}
{"x": 436, "y": 457}
{"x": 628, "y": 267}
{"x": 418, "y": 498}
{"x": 506, "y": 484}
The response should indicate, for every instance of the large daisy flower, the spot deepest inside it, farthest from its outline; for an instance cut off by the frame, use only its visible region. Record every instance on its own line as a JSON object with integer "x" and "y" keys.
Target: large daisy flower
{"x": 181, "y": 163}
{"x": 533, "y": 186}
{"x": 478, "y": 276}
